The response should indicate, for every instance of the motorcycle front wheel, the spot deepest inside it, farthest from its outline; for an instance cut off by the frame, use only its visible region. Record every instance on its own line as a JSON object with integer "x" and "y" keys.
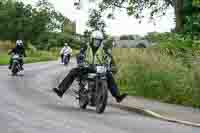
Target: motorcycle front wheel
{"x": 83, "y": 99}
{"x": 14, "y": 69}
{"x": 102, "y": 96}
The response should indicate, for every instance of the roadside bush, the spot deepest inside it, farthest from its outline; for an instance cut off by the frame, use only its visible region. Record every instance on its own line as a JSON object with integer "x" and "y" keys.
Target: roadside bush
{"x": 154, "y": 74}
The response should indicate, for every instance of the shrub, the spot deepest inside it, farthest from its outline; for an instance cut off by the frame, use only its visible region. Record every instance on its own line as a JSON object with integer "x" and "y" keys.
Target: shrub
{"x": 152, "y": 73}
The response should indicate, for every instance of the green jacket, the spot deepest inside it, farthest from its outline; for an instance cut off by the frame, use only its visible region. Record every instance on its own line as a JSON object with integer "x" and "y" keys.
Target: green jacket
{"x": 101, "y": 56}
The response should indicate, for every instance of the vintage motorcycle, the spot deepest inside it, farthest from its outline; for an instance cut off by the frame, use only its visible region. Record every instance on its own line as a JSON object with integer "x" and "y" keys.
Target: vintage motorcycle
{"x": 93, "y": 88}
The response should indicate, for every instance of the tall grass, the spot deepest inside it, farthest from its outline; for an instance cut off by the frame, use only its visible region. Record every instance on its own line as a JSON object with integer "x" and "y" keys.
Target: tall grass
{"x": 152, "y": 73}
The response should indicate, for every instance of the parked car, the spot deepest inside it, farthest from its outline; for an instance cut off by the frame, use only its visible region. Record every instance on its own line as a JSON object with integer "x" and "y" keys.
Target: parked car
{"x": 131, "y": 42}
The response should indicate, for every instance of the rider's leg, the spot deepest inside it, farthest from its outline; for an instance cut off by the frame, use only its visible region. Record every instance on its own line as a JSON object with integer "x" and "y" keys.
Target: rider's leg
{"x": 66, "y": 83}
{"x": 10, "y": 63}
{"x": 22, "y": 63}
{"x": 61, "y": 56}
{"x": 69, "y": 56}
{"x": 114, "y": 89}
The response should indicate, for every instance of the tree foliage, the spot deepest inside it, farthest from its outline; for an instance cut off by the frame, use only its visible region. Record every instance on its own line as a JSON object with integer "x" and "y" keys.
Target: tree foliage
{"x": 69, "y": 26}
{"x": 194, "y": 19}
{"x": 154, "y": 8}
{"x": 96, "y": 21}
{"x": 40, "y": 25}
{"x": 137, "y": 7}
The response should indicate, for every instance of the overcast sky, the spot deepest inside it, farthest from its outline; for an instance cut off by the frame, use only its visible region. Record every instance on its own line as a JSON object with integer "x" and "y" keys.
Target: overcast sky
{"x": 122, "y": 24}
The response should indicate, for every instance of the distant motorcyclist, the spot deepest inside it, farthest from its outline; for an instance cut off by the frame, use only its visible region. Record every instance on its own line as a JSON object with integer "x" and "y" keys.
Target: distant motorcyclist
{"x": 64, "y": 51}
{"x": 20, "y": 50}
{"x": 94, "y": 47}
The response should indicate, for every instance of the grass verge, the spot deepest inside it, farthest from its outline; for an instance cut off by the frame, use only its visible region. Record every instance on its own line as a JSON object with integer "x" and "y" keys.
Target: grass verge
{"x": 152, "y": 73}
{"x": 35, "y": 56}
{"x": 40, "y": 56}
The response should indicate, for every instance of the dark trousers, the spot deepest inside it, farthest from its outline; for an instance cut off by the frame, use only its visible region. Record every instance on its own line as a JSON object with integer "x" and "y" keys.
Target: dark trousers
{"x": 62, "y": 56}
{"x": 68, "y": 58}
{"x": 76, "y": 72}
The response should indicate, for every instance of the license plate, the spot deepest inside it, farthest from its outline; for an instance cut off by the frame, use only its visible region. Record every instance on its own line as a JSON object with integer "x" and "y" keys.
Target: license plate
{"x": 15, "y": 56}
{"x": 101, "y": 69}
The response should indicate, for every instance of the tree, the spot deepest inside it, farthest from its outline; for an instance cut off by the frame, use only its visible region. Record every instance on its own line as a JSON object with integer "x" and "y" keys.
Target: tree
{"x": 157, "y": 8}
{"x": 69, "y": 26}
{"x": 96, "y": 21}
{"x": 55, "y": 19}
{"x": 15, "y": 20}
{"x": 195, "y": 19}
{"x": 36, "y": 25}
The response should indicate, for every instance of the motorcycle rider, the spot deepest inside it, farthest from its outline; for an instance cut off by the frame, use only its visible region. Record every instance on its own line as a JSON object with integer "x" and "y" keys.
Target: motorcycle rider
{"x": 20, "y": 50}
{"x": 65, "y": 50}
{"x": 94, "y": 47}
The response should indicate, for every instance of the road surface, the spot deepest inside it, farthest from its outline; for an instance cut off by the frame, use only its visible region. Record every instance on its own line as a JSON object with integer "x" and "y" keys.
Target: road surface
{"x": 28, "y": 106}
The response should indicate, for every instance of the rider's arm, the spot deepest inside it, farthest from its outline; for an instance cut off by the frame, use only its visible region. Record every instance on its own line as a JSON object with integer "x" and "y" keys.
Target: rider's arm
{"x": 110, "y": 59}
{"x": 82, "y": 54}
{"x": 108, "y": 55}
{"x": 11, "y": 51}
{"x": 61, "y": 51}
{"x": 84, "y": 48}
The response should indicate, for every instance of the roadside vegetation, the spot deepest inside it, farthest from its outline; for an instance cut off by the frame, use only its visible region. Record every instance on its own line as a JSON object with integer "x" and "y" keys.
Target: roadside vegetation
{"x": 43, "y": 29}
{"x": 33, "y": 54}
{"x": 31, "y": 57}
{"x": 169, "y": 71}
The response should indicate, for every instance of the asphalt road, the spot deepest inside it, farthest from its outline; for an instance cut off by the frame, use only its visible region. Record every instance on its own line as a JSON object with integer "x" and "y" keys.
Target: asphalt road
{"x": 27, "y": 106}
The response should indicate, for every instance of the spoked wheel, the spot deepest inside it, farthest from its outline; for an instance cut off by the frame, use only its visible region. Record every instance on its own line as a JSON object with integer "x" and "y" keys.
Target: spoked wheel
{"x": 102, "y": 96}
{"x": 83, "y": 99}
